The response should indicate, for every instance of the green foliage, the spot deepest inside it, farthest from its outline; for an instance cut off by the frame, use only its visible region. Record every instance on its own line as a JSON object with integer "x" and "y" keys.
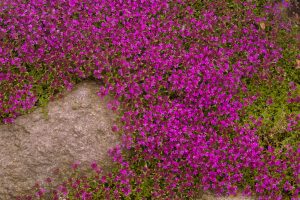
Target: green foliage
{"x": 274, "y": 128}
{"x": 290, "y": 45}
{"x": 273, "y": 131}
{"x": 41, "y": 86}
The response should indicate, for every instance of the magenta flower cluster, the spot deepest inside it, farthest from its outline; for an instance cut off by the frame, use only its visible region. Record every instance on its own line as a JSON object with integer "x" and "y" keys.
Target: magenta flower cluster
{"x": 177, "y": 77}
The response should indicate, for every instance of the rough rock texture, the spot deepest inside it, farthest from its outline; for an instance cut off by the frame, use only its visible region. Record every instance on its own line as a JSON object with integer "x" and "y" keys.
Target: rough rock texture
{"x": 209, "y": 196}
{"x": 78, "y": 128}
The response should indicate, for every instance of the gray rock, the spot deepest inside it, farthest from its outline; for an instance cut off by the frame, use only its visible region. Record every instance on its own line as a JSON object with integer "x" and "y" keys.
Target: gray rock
{"x": 210, "y": 196}
{"x": 78, "y": 128}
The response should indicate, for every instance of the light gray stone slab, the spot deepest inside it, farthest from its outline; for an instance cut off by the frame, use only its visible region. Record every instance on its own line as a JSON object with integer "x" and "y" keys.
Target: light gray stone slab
{"x": 78, "y": 128}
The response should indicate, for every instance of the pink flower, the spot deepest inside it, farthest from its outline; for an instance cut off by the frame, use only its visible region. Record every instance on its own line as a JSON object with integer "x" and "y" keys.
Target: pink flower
{"x": 269, "y": 101}
{"x": 95, "y": 167}
{"x": 75, "y": 165}
{"x": 63, "y": 189}
{"x": 293, "y": 86}
{"x": 115, "y": 128}
{"x": 72, "y": 3}
{"x": 41, "y": 192}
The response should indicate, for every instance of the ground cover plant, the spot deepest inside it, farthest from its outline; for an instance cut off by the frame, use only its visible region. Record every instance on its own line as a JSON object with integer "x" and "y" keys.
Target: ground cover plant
{"x": 207, "y": 91}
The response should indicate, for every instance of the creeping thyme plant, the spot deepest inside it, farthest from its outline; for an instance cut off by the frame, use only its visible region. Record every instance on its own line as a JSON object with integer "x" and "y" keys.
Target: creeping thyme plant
{"x": 207, "y": 91}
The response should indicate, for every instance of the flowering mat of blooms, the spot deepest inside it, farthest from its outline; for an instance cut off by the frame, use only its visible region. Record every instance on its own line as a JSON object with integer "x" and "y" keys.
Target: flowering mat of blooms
{"x": 207, "y": 91}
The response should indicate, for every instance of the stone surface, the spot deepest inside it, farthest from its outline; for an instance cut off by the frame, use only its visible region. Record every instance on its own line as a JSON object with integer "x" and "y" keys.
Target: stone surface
{"x": 210, "y": 196}
{"x": 78, "y": 128}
